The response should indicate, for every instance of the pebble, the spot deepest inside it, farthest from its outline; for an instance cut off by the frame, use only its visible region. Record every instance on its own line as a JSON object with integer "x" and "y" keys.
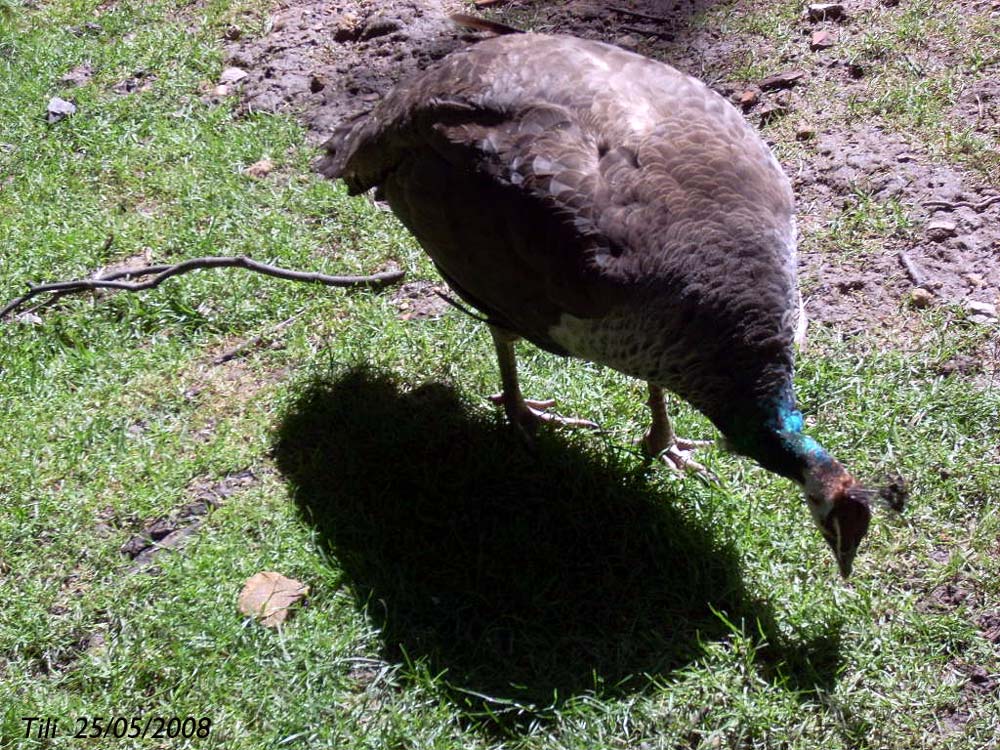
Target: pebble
{"x": 920, "y": 297}
{"x": 749, "y": 98}
{"x": 824, "y": 11}
{"x": 821, "y": 40}
{"x": 981, "y": 308}
{"x": 59, "y": 109}
{"x": 784, "y": 80}
{"x": 380, "y": 25}
{"x": 232, "y": 75}
{"x": 941, "y": 229}
{"x": 805, "y": 133}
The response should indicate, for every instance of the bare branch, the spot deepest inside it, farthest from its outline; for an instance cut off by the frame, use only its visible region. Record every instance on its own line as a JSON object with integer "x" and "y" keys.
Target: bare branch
{"x": 256, "y": 341}
{"x": 161, "y": 273}
{"x": 637, "y": 14}
{"x": 649, "y": 32}
{"x": 951, "y": 206}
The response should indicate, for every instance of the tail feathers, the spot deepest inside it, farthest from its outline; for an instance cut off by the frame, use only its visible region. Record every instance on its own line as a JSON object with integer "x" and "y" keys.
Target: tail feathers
{"x": 481, "y": 24}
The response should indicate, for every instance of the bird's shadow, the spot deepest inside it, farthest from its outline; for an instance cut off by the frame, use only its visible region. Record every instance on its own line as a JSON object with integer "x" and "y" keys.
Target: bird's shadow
{"x": 524, "y": 578}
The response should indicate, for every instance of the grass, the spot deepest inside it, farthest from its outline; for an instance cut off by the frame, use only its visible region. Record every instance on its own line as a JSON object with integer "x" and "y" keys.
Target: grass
{"x": 464, "y": 594}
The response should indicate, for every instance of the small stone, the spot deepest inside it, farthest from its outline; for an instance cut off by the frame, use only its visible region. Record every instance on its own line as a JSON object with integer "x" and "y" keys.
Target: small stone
{"x": 784, "y": 80}
{"x": 825, "y": 11}
{"x": 232, "y": 75}
{"x": 772, "y": 112}
{"x": 346, "y": 31}
{"x": 821, "y": 40}
{"x": 627, "y": 41}
{"x": 221, "y": 90}
{"x": 941, "y": 229}
{"x": 805, "y": 133}
{"x": 851, "y": 284}
{"x": 749, "y": 98}
{"x": 233, "y": 33}
{"x": 975, "y": 280}
{"x": 981, "y": 308}
{"x": 380, "y": 25}
{"x": 59, "y": 109}
{"x": 904, "y": 157}
{"x": 259, "y": 169}
{"x": 921, "y": 298}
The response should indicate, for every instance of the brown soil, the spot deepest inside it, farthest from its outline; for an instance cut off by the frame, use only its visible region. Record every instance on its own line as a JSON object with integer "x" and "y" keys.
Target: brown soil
{"x": 416, "y": 300}
{"x": 325, "y": 61}
{"x": 171, "y": 531}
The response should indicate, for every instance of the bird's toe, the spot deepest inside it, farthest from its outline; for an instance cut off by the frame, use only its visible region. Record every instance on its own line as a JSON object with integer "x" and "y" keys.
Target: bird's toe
{"x": 527, "y": 414}
{"x": 679, "y": 460}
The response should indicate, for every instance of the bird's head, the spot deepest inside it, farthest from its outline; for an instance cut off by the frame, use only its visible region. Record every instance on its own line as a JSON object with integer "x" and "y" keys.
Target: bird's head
{"x": 842, "y": 508}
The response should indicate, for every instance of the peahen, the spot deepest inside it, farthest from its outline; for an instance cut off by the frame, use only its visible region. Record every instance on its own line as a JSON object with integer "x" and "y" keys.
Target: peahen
{"x": 606, "y": 206}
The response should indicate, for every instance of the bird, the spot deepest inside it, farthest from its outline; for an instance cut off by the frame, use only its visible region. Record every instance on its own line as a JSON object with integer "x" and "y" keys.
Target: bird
{"x": 606, "y": 206}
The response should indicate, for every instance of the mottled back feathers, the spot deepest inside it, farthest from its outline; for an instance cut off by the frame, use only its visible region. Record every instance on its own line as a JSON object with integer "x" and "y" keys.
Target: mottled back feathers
{"x": 599, "y": 204}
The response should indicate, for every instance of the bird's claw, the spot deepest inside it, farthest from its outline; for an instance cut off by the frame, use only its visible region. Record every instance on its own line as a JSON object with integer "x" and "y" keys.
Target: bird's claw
{"x": 677, "y": 457}
{"x": 679, "y": 460}
{"x": 529, "y": 413}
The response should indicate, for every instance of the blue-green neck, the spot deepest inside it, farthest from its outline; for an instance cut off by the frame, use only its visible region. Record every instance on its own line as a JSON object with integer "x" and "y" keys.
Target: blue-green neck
{"x": 772, "y": 435}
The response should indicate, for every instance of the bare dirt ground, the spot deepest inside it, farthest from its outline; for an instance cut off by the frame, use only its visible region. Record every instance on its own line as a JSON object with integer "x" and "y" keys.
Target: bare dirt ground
{"x": 324, "y": 61}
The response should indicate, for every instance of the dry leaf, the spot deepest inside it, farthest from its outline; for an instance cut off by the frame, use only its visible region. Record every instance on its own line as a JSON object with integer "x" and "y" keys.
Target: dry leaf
{"x": 259, "y": 169}
{"x": 78, "y": 76}
{"x": 269, "y": 597}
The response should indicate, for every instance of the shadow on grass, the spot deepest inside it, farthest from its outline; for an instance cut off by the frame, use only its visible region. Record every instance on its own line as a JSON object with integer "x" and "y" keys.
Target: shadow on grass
{"x": 525, "y": 578}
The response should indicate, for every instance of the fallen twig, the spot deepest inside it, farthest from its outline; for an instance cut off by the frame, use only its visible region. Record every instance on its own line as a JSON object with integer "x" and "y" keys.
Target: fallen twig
{"x": 161, "y": 273}
{"x": 637, "y": 14}
{"x": 914, "y": 271}
{"x": 489, "y": 3}
{"x": 245, "y": 346}
{"x": 951, "y": 206}
{"x": 667, "y": 35}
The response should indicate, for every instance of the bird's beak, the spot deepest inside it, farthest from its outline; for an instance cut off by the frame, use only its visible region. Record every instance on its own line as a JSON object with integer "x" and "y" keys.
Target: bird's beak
{"x": 844, "y": 529}
{"x": 845, "y": 560}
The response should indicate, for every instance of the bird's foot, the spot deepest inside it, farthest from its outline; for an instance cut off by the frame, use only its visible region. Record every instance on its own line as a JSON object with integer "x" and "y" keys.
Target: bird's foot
{"x": 527, "y": 414}
{"x": 676, "y": 454}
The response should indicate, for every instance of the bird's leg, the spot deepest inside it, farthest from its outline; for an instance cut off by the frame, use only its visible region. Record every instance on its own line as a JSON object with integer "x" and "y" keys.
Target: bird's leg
{"x": 661, "y": 443}
{"x": 524, "y": 414}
